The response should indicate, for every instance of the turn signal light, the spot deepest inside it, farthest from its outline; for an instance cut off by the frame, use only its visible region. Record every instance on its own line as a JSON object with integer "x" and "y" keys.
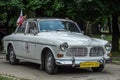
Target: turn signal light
{"x": 59, "y": 55}
{"x": 110, "y": 54}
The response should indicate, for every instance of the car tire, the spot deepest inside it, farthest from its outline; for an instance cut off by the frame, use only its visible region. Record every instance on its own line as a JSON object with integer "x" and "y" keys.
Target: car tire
{"x": 98, "y": 69}
{"x": 50, "y": 66}
{"x": 12, "y": 56}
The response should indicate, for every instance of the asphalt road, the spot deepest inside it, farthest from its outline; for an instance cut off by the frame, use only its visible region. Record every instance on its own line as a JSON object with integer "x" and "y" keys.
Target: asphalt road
{"x": 30, "y": 71}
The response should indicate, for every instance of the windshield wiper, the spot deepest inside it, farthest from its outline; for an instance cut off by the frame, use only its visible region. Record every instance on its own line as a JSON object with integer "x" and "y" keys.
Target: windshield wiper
{"x": 60, "y": 30}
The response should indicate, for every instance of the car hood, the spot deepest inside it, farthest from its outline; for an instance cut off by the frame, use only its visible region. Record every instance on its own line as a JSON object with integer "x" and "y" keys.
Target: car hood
{"x": 71, "y": 38}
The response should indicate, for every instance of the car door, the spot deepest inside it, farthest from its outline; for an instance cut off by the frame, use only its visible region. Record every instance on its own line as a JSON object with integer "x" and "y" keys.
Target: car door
{"x": 30, "y": 40}
{"x": 19, "y": 39}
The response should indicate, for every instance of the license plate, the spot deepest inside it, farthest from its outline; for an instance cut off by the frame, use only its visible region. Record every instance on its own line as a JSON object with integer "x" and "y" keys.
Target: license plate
{"x": 89, "y": 64}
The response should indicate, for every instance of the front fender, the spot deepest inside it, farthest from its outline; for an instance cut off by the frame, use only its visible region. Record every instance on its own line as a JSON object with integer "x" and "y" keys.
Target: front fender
{"x": 6, "y": 45}
{"x": 52, "y": 48}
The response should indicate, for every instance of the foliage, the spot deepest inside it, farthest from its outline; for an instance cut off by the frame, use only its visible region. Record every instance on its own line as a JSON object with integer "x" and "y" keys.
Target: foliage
{"x": 78, "y": 10}
{"x": 9, "y": 7}
{"x": 90, "y": 9}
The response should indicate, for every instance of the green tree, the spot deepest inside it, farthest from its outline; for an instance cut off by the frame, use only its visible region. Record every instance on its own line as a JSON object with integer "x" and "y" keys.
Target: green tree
{"x": 93, "y": 9}
{"x": 113, "y": 8}
{"x": 87, "y": 11}
{"x": 9, "y": 8}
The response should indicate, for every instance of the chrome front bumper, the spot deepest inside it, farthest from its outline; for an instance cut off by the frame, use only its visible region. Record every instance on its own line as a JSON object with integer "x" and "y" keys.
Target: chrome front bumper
{"x": 75, "y": 63}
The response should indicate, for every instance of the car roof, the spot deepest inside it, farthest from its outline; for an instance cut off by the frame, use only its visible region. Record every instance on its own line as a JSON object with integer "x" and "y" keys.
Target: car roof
{"x": 48, "y": 18}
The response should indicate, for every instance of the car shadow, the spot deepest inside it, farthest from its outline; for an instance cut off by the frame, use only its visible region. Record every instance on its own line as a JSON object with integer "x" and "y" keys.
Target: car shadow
{"x": 61, "y": 69}
{"x": 71, "y": 70}
{"x": 30, "y": 65}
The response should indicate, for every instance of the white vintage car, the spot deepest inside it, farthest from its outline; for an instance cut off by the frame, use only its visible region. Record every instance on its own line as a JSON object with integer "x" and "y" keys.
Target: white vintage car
{"x": 56, "y": 42}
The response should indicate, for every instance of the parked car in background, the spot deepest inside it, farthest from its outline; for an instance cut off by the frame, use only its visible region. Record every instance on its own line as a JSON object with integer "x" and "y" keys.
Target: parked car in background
{"x": 53, "y": 42}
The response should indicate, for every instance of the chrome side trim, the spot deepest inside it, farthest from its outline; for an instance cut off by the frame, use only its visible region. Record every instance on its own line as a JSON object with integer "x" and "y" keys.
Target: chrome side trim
{"x": 33, "y": 42}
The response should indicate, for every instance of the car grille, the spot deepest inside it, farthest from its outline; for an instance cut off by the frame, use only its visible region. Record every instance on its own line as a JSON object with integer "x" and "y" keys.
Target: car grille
{"x": 96, "y": 51}
{"x": 77, "y": 52}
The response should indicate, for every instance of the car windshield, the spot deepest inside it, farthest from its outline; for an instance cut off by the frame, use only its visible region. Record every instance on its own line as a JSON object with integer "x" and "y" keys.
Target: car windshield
{"x": 57, "y": 25}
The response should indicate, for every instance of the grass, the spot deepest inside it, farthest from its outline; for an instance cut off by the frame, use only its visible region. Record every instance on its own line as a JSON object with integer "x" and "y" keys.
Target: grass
{"x": 5, "y": 78}
{"x": 117, "y": 59}
{"x": 107, "y": 37}
{"x": 116, "y": 54}
{"x": 10, "y": 77}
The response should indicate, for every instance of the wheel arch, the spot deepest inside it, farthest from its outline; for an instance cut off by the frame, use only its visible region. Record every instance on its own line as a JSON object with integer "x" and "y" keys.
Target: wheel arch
{"x": 43, "y": 61}
{"x": 43, "y": 53}
{"x": 9, "y": 43}
{"x": 45, "y": 49}
{"x": 7, "y": 53}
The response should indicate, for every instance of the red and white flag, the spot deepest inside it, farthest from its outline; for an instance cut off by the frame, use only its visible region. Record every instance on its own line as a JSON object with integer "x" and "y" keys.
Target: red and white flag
{"x": 20, "y": 19}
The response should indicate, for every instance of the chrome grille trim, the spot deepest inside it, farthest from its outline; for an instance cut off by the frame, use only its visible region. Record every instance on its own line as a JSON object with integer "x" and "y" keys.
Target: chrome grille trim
{"x": 96, "y": 51}
{"x": 77, "y": 52}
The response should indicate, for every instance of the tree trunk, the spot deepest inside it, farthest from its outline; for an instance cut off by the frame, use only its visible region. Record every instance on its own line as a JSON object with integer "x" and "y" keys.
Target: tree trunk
{"x": 88, "y": 28}
{"x": 115, "y": 33}
{"x": 109, "y": 25}
{"x": 96, "y": 29}
{"x": 8, "y": 29}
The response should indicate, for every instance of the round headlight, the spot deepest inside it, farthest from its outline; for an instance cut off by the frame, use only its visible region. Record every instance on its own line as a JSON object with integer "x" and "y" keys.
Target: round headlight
{"x": 64, "y": 46}
{"x": 108, "y": 46}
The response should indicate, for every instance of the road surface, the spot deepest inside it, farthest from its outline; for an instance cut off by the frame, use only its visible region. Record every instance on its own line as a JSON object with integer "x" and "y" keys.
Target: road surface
{"x": 30, "y": 71}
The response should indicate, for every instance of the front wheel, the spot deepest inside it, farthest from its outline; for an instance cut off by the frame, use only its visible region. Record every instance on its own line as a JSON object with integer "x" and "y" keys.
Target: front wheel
{"x": 98, "y": 69}
{"x": 50, "y": 65}
{"x": 12, "y": 56}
